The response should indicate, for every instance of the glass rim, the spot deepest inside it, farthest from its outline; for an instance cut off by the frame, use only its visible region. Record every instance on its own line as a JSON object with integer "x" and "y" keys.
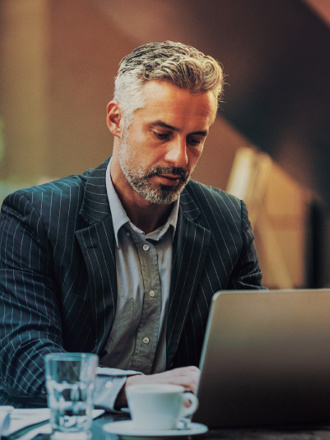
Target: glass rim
{"x": 67, "y": 356}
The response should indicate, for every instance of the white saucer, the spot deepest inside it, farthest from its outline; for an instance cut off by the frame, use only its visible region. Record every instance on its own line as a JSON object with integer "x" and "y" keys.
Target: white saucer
{"x": 127, "y": 430}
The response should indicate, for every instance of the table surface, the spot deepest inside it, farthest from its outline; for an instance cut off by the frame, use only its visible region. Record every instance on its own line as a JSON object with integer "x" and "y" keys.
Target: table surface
{"x": 302, "y": 433}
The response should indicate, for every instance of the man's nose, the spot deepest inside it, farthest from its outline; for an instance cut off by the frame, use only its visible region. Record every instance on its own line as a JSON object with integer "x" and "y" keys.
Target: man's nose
{"x": 177, "y": 153}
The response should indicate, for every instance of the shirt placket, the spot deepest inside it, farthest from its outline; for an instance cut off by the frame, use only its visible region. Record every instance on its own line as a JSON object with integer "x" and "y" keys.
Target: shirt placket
{"x": 149, "y": 326}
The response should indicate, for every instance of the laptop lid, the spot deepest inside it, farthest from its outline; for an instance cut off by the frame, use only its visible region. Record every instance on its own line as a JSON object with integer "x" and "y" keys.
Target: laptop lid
{"x": 266, "y": 359}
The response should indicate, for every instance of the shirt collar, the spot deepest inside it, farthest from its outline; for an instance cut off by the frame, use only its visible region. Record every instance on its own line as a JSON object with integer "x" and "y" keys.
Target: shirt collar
{"x": 120, "y": 218}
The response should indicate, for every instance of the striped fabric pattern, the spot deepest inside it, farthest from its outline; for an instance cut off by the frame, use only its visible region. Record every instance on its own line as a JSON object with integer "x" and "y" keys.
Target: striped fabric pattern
{"x": 58, "y": 277}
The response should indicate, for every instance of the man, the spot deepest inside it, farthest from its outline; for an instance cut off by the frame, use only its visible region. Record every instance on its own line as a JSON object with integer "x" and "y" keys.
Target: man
{"x": 123, "y": 260}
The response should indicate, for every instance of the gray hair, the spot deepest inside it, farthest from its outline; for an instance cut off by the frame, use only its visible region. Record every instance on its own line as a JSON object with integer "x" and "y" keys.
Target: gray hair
{"x": 179, "y": 64}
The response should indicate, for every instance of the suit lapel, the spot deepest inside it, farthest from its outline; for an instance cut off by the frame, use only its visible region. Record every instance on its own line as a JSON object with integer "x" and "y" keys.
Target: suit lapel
{"x": 190, "y": 249}
{"x": 97, "y": 244}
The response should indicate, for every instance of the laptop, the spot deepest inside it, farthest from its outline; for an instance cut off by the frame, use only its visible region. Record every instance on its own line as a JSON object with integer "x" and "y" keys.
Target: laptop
{"x": 266, "y": 360}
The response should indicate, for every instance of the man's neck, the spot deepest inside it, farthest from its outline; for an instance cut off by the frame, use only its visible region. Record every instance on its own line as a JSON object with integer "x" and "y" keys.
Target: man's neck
{"x": 148, "y": 218}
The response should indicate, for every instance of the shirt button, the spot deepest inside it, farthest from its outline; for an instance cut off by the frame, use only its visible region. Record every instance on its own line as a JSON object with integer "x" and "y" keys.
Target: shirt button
{"x": 146, "y": 340}
{"x": 145, "y": 247}
{"x": 152, "y": 293}
{"x": 108, "y": 384}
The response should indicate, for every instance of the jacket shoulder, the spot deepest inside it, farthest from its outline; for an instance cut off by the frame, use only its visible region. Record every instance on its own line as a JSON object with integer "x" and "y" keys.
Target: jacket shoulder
{"x": 70, "y": 187}
{"x": 210, "y": 199}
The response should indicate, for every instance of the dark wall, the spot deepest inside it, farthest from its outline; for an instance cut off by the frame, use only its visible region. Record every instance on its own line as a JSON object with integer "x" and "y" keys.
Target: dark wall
{"x": 277, "y": 58}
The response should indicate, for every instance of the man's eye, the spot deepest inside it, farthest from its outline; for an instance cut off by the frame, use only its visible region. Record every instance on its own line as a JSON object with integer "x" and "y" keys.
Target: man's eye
{"x": 161, "y": 136}
{"x": 194, "y": 141}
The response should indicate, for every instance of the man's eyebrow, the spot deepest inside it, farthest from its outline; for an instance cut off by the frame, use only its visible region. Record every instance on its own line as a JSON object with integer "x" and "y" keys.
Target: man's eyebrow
{"x": 163, "y": 125}
{"x": 170, "y": 127}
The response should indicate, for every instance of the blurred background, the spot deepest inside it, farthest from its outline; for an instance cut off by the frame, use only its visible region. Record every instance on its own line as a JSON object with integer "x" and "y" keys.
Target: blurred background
{"x": 270, "y": 144}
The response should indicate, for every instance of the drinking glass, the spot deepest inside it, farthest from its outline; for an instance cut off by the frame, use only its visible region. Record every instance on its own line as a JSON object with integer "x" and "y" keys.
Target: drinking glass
{"x": 70, "y": 381}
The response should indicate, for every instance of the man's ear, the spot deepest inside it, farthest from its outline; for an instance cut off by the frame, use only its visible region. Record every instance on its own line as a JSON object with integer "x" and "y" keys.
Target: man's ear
{"x": 114, "y": 118}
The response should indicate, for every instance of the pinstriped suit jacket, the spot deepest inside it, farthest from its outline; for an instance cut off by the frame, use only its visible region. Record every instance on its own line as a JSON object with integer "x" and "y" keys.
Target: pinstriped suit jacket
{"x": 58, "y": 277}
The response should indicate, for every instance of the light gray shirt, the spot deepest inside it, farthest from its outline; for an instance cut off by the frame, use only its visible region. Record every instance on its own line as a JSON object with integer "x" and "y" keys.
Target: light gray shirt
{"x": 143, "y": 262}
{"x": 138, "y": 337}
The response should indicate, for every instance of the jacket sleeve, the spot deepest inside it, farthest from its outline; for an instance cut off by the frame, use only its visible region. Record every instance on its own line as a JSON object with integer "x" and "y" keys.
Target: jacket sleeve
{"x": 30, "y": 311}
{"x": 247, "y": 273}
{"x": 30, "y": 325}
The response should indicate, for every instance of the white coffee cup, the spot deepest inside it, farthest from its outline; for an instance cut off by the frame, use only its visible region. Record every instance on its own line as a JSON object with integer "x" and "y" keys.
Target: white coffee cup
{"x": 159, "y": 406}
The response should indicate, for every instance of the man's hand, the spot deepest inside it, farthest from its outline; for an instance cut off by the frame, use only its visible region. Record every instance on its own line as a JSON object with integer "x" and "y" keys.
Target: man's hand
{"x": 187, "y": 377}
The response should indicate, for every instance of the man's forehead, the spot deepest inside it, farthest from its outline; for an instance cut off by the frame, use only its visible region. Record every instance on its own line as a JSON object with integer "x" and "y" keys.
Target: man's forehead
{"x": 164, "y": 97}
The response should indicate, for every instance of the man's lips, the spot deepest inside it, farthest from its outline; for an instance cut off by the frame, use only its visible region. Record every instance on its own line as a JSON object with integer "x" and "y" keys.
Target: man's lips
{"x": 170, "y": 176}
{"x": 170, "y": 179}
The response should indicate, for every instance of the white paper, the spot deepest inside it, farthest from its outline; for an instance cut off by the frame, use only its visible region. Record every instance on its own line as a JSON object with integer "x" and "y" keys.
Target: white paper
{"x": 23, "y": 418}
{"x": 4, "y": 418}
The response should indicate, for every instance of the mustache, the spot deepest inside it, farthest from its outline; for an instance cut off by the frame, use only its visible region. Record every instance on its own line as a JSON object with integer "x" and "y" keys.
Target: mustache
{"x": 176, "y": 171}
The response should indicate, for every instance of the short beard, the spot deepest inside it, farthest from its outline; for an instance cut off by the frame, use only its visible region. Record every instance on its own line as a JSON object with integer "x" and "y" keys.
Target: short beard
{"x": 163, "y": 194}
{"x": 139, "y": 178}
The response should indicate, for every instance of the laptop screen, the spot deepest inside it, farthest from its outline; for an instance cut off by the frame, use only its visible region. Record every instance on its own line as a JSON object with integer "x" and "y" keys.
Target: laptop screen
{"x": 266, "y": 359}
